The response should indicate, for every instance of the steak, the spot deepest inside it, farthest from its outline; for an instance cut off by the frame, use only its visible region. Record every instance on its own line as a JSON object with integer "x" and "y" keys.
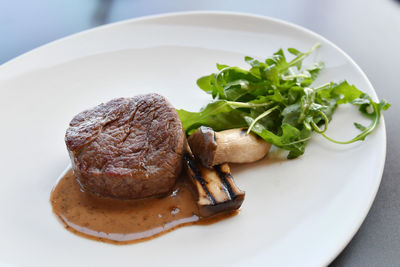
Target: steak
{"x": 128, "y": 147}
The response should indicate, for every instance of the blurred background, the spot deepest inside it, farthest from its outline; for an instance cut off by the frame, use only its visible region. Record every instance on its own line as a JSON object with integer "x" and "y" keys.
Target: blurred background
{"x": 368, "y": 30}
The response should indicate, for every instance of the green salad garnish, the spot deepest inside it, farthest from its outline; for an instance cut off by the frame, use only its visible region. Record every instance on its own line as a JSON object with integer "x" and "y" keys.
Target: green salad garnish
{"x": 275, "y": 99}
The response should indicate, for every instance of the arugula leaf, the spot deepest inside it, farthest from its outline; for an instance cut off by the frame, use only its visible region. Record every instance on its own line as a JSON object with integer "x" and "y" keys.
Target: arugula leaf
{"x": 375, "y": 116}
{"x": 253, "y": 62}
{"x": 291, "y": 139}
{"x": 222, "y": 66}
{"x": 294, "y": 51}
{"x": 219, "y": 115}
{"x": 206, "y": 83}
{"x": 360, "y": 126}
{"x": 346, "y": 93}
{"x": 276, "y": 101}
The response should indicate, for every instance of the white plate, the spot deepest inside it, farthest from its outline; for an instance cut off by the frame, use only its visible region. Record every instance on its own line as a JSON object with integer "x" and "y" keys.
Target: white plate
{"x": 296, "y": 213}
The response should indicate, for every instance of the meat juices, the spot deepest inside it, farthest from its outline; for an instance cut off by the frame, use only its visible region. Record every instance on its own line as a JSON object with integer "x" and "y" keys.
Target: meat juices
{"x": 127, "y": 148}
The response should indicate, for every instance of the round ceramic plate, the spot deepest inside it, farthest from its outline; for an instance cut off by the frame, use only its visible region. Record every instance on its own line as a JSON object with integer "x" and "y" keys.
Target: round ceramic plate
{"x": 300, "y": 212}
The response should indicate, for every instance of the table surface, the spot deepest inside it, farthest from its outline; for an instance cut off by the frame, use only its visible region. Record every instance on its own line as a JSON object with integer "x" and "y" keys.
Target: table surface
{"x": 368, "y": 30}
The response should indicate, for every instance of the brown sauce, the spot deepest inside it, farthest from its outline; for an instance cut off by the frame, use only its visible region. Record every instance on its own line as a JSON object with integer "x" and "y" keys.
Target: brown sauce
{"x": 125, "y": 221}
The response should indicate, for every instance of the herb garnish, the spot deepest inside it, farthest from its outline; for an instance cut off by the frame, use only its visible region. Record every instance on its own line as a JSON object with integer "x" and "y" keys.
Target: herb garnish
{"x": 275, "y": 100}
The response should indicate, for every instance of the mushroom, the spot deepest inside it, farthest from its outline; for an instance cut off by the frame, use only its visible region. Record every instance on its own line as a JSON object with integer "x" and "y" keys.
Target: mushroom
{"x": 215, "y": 187}
{"x": 235, "y": 145}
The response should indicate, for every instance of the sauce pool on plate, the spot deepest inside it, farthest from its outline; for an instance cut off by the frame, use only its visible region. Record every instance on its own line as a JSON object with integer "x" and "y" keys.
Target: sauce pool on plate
{"x": 125, "y": 221}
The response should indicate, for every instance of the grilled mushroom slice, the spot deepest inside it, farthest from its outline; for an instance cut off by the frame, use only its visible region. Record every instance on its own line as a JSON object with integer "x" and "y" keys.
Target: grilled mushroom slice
{"x": 215, "y": 187}
{"x": 213, "y": 148}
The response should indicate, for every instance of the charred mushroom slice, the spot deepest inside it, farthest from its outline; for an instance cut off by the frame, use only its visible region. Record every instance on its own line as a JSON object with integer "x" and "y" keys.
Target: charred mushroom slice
{"x": 215, "y": 187}
{"x": 213, "y": 148}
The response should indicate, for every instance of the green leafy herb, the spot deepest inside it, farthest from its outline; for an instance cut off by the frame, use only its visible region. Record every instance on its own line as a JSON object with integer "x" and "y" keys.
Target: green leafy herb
{"x": 275, "y": 99}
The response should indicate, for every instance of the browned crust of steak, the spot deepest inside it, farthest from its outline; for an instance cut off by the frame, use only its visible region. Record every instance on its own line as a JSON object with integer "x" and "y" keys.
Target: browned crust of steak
{"x": 128, "y": 147}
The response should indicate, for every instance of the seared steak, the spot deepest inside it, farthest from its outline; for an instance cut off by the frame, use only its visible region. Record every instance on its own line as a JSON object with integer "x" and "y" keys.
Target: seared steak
{"x": 128, "y": 147}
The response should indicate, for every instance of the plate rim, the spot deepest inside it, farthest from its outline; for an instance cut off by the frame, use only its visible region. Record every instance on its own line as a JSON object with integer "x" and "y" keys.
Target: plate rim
{"x": 297, "y": 27}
